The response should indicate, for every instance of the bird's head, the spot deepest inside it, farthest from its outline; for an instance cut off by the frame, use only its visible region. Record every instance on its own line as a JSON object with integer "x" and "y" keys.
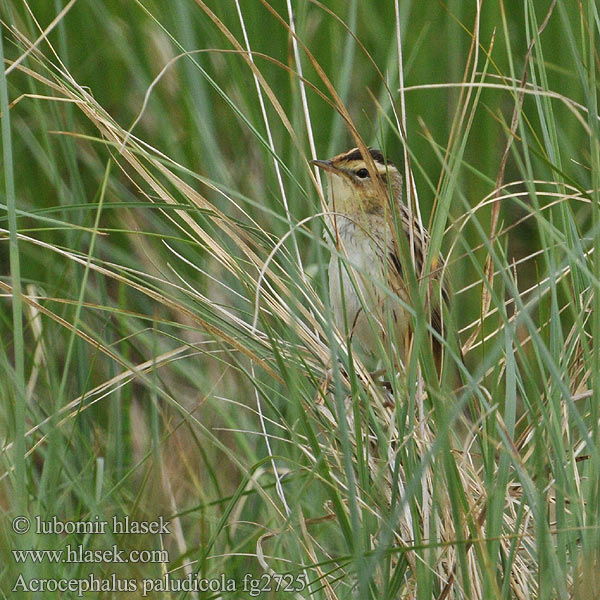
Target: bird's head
{"x": 358, "y": 185}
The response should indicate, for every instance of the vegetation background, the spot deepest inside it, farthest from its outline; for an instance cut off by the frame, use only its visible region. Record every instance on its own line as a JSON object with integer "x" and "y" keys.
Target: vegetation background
{"x": 167, "y": 346}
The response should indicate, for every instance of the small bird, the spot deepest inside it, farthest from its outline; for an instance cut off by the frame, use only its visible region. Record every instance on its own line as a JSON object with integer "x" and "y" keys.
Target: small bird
{"x": 360, "y": 196}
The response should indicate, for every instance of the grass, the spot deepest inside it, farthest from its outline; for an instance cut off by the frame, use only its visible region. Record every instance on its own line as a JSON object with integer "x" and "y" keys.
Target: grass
{"x": 168, "y": 348}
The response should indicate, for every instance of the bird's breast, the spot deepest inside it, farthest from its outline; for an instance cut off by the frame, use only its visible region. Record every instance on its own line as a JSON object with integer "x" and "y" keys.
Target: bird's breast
{"x": 357, "y": 284}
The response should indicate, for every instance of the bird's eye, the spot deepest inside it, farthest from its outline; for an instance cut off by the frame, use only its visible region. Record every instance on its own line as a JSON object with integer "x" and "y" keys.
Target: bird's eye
{"x": 362, "y": 173}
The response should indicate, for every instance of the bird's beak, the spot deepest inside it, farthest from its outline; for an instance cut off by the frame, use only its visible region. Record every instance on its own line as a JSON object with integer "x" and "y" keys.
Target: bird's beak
{"x": 326, "y": 165}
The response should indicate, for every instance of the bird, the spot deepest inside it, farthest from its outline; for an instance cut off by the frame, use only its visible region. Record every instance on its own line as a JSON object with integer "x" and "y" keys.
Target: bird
{"x": 362, "y": 192}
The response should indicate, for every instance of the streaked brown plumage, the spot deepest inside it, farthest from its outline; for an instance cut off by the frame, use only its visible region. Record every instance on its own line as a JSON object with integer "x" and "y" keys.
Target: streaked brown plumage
{"x": 361, "y": 221}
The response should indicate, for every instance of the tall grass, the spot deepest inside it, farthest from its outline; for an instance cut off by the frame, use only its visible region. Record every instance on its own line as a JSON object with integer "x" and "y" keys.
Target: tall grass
{"x": 166, "y": 258}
